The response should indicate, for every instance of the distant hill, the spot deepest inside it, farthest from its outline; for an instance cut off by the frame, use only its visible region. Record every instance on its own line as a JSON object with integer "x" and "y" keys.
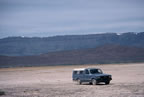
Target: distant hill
{"x": 100, "y": 55}
{"x": 24, "y": 46}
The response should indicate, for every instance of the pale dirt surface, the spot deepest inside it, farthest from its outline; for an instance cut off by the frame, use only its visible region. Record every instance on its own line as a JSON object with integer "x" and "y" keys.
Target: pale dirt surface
{"x": 56, "y": 81}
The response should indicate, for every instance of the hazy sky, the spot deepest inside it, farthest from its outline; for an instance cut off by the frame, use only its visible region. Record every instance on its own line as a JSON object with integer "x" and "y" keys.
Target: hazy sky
{"x": 68, "y": 17}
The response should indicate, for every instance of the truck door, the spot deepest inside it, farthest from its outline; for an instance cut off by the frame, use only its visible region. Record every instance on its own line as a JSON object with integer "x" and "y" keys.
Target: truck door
{"x": 81, "y": 75}
{"x": 86, "y": 75}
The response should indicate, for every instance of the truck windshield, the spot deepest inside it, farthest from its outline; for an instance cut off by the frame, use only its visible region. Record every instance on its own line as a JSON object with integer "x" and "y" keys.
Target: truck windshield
{"x": 94, "y": 71}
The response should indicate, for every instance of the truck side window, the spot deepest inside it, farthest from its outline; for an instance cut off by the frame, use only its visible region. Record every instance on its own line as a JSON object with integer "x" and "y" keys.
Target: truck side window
{"x": 75, "y": 72}
{"x": 86, "y": 71}
{"x": 81, "y": 72}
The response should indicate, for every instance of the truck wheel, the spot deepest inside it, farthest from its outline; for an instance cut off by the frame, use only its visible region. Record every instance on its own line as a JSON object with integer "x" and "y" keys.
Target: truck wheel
{"x": 107, "y": 82}
{"x": 79, "y": 82}
{"x": 94, "y": 82}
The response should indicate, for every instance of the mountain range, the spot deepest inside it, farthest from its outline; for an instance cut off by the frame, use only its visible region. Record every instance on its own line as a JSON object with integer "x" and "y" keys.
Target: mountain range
{"x": 72, "y": 49}
{"x": 25, "y": 46}
{"x": 100, "y": 55}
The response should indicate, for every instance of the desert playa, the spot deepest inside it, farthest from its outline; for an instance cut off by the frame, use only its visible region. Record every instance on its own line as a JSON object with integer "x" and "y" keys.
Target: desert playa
{"x": 56, "y": 81}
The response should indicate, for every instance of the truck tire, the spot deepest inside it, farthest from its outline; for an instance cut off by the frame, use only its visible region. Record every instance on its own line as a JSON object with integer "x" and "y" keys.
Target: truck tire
{"x": 94, "y": 81}
{"x": 107, "y": 82}
{"x": 79, "y": 82}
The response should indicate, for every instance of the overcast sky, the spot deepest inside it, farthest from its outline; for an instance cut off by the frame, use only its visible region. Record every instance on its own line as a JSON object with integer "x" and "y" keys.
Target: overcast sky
{"x": 67, "y": 17}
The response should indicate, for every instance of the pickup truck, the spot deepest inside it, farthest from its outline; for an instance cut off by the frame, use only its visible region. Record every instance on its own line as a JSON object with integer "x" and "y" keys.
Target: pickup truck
{"x": 91, "y": 75}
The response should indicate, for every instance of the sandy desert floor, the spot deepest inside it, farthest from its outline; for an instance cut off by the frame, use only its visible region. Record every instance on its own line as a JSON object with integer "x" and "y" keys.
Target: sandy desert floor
{"x": 56, "y": 81}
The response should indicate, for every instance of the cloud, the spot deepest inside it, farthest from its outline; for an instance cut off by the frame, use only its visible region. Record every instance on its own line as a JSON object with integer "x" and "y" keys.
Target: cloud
{"x": 59, "y": 17}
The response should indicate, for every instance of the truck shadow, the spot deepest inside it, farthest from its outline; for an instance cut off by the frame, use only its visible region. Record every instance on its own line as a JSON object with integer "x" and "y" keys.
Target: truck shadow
{"x": 99, "y": 84}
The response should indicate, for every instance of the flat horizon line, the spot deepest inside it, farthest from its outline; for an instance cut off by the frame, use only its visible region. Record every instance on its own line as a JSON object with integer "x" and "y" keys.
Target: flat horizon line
{"x": 22, "y": 36}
